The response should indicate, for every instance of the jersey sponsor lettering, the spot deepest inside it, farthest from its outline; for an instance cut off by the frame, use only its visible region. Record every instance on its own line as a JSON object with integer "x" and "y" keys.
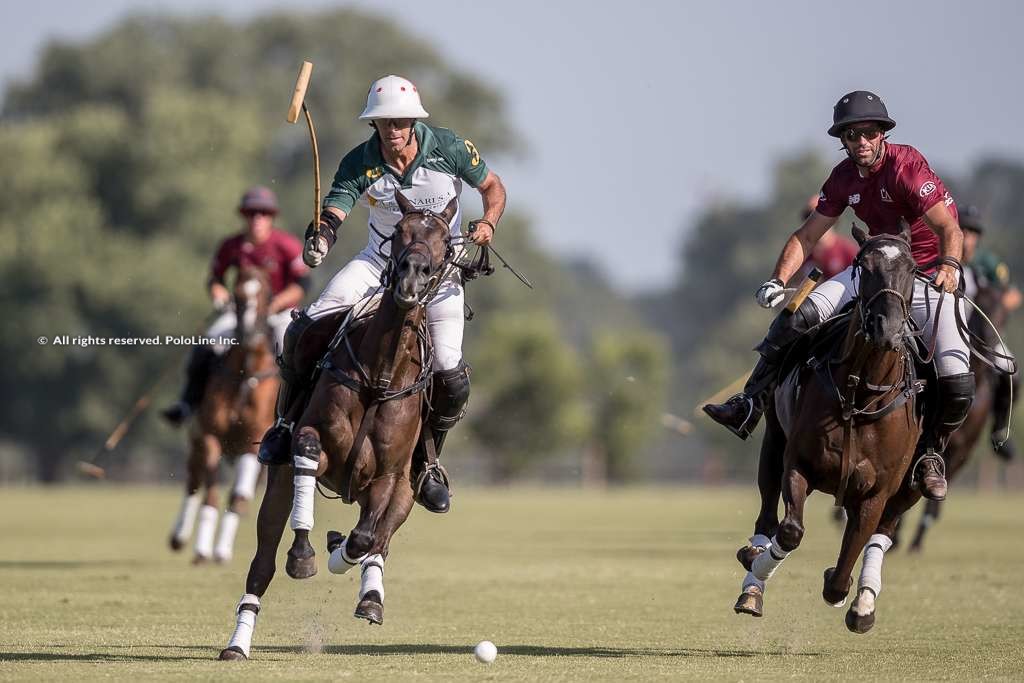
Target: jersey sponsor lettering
{"x": 926, "y": 189}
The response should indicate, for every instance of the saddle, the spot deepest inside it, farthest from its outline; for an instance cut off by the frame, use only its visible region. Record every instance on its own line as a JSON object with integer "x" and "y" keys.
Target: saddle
{"x": 818, "y": 350}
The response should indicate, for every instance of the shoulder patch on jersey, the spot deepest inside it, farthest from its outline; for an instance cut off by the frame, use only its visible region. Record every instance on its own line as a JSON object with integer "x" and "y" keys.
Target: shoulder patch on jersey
{"x": 474, "y": 155}
{"x": 926, "y": 189}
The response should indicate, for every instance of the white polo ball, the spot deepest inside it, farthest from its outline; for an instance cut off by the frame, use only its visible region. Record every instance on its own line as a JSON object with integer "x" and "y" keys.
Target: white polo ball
{"x": 485, "y": 652}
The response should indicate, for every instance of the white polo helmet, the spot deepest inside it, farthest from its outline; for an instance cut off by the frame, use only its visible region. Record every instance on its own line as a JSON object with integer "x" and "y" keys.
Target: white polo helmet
{"x": 393, "y": 97}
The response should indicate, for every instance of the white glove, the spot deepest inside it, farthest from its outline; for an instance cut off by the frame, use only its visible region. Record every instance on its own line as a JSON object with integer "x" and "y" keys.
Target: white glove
{"x": 770, "y": 293}
{"x": 315, "y": 251}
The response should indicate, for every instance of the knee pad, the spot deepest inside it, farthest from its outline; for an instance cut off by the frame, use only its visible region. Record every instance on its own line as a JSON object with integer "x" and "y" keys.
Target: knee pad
{"x": 450, "y": 397}
{"x": 786, "y": 329}
{"x": 956, "y": 393}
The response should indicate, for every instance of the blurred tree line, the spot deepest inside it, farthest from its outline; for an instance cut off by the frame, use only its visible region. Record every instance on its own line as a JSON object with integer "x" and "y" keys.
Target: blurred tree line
{"x": 713, "y": 322}
{"x": 124, "y": 158}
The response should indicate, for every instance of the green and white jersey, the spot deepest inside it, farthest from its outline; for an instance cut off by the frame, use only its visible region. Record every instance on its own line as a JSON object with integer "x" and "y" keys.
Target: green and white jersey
{"x": 435, "y": 176}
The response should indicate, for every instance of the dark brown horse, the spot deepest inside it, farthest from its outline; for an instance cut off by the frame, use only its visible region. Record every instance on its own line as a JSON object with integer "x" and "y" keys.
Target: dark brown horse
{"x": 843, "y": 423}
{"x": 357, "y": 435}
{"x": 237, "y": 407}
{"x": 963, "y": 441}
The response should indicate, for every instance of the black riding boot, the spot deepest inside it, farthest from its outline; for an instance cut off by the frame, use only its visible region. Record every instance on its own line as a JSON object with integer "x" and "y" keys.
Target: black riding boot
{"x": 450, "y": 394}
{"x": 741, "y": 412}
{"x": 956, "y": 393}
{"x": 1006, "y": 390}
{"x": 197, "y": 373}
{"x": 305, "y": 342}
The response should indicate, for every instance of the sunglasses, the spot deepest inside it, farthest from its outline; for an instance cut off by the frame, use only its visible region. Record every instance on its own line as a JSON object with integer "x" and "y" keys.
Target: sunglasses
{"x": 256, "y": 212}
{"x": 855, "y": 134}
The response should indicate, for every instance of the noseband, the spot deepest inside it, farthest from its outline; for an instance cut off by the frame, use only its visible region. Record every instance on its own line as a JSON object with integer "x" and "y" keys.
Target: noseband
{"x": 387, "y": 279}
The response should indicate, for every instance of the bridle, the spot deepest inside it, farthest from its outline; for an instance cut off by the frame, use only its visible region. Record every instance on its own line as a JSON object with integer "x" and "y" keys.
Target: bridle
{"x": 437, "y": 275}
{"x": 863, "y": 306}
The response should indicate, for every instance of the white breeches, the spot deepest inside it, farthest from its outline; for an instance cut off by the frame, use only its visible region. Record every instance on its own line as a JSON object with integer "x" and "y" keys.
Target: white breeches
{"x": 951, "y": 354}
{"x": 224, "y": 326}
{"x": 445, "y": 316}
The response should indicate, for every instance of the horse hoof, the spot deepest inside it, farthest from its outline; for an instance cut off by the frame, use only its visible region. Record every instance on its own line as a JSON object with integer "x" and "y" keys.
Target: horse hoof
{"x": 751, "y": 603}
{"x": 833, "y": 597}
{"x": 370, "y": 608}
{"x": 300, "y": 567}
{"x": 747, "y": 554}
{"x": 200, "y": 559}
{"x": 176, "y": 543}
{"x": 232, "y": 654}
{"x": 859, "y": 624}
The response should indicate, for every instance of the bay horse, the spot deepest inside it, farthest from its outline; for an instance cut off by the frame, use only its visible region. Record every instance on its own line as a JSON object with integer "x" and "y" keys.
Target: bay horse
{"x": 843, "y": 422}
{"x": 357, "y": 434}
{"x": 237, "y": 407}
{"x": 964, "y": 440}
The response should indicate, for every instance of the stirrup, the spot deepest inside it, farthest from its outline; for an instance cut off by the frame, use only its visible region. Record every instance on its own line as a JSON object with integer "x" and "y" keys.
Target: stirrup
{"x": 929, "y": 454}
{"x": 427, "y": 472}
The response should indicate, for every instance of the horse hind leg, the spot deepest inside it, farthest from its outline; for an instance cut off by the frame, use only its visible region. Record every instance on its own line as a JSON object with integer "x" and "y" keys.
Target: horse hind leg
{"x": 270, "y": 525}
{"x": 307, "y": 457}
{"x": 247, "y": 473}
{"x": 928, "y": 518}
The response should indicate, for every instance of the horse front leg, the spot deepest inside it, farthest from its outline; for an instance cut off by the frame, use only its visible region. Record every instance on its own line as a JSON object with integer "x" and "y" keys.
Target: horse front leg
{"x": 247, "y": 473}
{"x": 208, "y": 513}
{"x": 862, "y": 520}
{"x": 769, "y": 484}
{"x": 861, "y": 615}
{"x": 309, "y": 462}
{"x": 270, "y": 525}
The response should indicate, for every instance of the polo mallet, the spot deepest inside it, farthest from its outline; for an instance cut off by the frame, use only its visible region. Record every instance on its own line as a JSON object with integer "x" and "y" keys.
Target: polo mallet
{"x": 798, "y": 298}
{"x": 89, "y": 468}
{"x": 299, "y": 102}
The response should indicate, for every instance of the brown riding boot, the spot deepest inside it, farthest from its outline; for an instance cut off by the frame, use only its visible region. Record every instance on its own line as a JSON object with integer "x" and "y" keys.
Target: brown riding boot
{"x": 930, "y": 475}
{"x": 956, "y": 393}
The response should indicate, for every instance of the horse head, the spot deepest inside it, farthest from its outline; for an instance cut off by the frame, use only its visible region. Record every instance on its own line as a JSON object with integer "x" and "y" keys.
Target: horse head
{"x": 885, "y": 286}
{"x": 420, "y": 246}
{"x": 252, "y": 303}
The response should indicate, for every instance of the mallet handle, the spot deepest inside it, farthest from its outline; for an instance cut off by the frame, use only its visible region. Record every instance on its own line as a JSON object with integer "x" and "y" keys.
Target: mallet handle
{"x": 301, "y": 83}
{"x": 805, "y": 288}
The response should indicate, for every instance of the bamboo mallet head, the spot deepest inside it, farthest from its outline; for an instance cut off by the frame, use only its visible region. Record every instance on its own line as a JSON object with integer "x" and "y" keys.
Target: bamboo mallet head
{"x": 301, "y": 83}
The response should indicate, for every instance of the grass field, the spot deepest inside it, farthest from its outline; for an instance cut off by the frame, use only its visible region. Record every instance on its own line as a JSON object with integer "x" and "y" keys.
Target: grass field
{"x": 570, "y": 585}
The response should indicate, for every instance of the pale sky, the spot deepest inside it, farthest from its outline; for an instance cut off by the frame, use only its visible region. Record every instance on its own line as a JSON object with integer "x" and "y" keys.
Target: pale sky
{"x": 638, "y": 115}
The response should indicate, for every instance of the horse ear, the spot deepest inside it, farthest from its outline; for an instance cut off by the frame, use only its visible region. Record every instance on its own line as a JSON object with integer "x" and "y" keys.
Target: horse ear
{"x": 905, "y": 229}
{"x": 449, "y": 211}
{"x": 404, "y": 205}
{"x": 859, "y": 235}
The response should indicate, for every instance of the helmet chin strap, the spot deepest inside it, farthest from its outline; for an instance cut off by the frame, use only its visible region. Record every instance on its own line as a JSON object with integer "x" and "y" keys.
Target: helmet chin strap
{"x": 874, "y": 159}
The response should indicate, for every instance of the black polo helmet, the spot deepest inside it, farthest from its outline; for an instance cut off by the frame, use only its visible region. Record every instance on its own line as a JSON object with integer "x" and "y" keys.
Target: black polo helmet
{"x": 970, "y": 219}
{"x": 857, "y": 107}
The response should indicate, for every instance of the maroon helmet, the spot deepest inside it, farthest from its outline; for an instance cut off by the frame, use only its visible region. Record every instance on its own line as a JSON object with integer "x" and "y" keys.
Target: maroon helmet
{"x": 258, "y": 198}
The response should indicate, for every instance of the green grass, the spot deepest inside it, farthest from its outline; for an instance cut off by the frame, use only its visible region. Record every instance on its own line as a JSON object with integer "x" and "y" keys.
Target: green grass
{"x": 569, "y": 584}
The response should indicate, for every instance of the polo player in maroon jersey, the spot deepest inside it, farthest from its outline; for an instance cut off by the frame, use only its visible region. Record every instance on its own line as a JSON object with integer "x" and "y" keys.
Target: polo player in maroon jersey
{"x": 260, "y": 245}
{"x": 885, "y": 184}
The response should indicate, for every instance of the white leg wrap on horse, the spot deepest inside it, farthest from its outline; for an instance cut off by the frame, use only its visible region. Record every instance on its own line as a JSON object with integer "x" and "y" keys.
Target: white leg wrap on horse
{"x": 751, "y": 581}
{"x": 206, "y": 530}
{"x": 766, "y": 563}
{"x": 186, "y": 517}
{"x": 760, "y": 541}
{"x": 373, "y": 575}
{"x": 245, "y": 622}
{"x": 871, "y": 567}
{"x": 226, "y": 536}
{"x": 339, "y": 562}
{"x": 248, "y": 473}
{"x": 305, "y": 492}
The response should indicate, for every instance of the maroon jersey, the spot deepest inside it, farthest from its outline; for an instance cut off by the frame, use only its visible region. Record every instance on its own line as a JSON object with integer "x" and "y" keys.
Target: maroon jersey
{"x": 280, "y": 256}
{"x": 901, "y": 185}
{"x": 836, "y": 257}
